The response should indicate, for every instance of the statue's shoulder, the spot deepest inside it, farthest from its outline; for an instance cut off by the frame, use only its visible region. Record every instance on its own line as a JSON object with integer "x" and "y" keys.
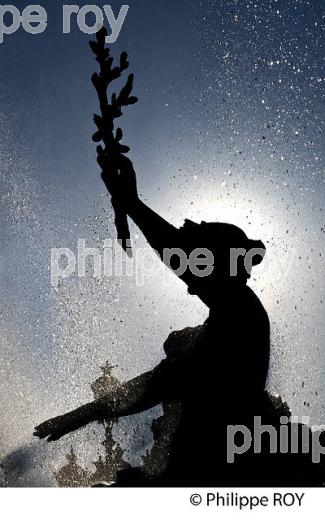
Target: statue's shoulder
{"x": 180, "y": 342}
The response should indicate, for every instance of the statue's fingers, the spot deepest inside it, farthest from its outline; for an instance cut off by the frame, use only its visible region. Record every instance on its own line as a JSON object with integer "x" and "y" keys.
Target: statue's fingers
{"x": 42, "y": 430}
{"x": 47, "y": 427}
{"x": 40, "y": 435}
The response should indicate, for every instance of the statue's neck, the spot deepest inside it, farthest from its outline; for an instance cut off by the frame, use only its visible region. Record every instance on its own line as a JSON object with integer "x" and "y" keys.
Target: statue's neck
{"x": 225, "y": 298}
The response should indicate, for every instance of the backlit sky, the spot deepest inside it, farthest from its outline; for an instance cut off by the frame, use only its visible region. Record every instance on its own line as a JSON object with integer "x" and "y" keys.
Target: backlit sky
{"x": 229, "y": 127}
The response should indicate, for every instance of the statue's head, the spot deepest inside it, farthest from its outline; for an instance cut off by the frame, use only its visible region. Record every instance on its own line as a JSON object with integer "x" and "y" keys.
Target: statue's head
{"x": 227, "y": 251}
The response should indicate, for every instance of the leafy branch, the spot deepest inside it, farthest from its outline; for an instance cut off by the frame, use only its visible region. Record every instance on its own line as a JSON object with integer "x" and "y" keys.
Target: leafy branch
{"x": 105, "y": 123}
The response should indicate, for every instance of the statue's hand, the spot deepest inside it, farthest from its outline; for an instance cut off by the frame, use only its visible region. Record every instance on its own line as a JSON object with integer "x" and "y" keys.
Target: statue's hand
{"x": 121, "y": 182}
{"x": 59, "y": 426}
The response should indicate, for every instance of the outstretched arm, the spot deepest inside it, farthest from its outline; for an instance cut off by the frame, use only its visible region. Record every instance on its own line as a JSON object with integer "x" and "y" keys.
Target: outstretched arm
{"x": 135, "y": 396}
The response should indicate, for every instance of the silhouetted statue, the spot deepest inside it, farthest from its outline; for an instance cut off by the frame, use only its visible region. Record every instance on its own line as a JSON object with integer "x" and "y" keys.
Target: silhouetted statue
{"x": 213, "y": 375}
{"x": 209, "y": 370}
